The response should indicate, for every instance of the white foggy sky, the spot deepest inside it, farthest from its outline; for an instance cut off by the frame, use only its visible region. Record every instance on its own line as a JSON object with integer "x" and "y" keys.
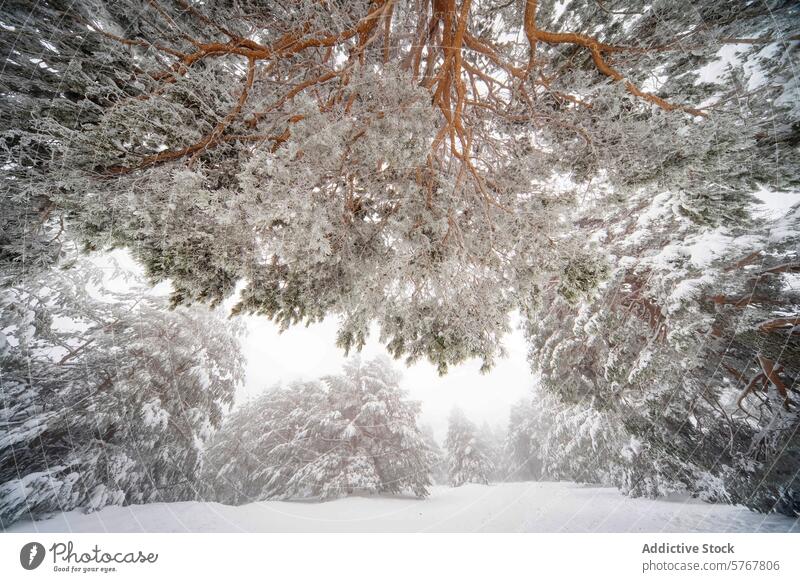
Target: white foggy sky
{"x": 302, "y": 353}
{"x": 306, "y": 353}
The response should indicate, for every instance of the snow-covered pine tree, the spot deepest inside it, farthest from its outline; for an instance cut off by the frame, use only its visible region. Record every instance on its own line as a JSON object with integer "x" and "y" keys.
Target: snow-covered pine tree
{"x": 671, "y": 351}
{"x": 439, "y": 459}
{"x": 105, "y": 400}
{"x": 577, "y": 442}
{"x": 676, "y": 350}
{"x": 380, "y": 166}
{"x": 468, "y": 457}
{"x": 264, "y": 442}
{"x": 350, "y": 433}
{"x": 377, "y": 445}
{"x": 494, "y": 437}
{"x": 523, "y": 442}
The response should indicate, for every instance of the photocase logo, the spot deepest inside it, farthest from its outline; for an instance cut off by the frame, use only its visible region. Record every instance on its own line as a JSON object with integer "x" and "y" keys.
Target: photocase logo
{"x": 31, "y": 555}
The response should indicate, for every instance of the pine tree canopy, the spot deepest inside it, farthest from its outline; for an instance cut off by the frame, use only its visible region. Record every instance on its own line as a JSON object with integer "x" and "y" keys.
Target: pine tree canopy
{"x": 418, "y": 163}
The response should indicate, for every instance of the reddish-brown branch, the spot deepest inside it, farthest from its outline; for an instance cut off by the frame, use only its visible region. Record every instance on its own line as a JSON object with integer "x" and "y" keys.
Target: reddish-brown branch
{"x": 643, "y": 307}
{"x": 751, "y": 386}
{"x": 768, "y": 366}
{"x": 783, "y": 268}
{"x": 745, "y": 261}
{"x": 596, "y": 49}
{"x": 779, "y": 323}
{"x": 734, "y": 372}
{"x": 208, "y": 140}
{"x": 743, "y": 301}
{"x": 442, "y": 31}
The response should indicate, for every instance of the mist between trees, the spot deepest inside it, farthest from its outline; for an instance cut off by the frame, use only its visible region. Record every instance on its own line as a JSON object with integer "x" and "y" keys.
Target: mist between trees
{"x": 428, "y": 166}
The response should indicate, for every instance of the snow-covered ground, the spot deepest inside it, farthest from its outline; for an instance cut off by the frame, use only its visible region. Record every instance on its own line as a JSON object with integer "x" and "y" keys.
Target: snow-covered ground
{"x": 508, "y": 507}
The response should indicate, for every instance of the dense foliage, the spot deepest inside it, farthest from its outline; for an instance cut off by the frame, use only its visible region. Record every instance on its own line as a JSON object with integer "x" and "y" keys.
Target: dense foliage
{"x": 402, "y": 162}
{"x": 351, "y": 433}
{"x": 433, "y": 166}
{"x": 469, "y": 455}
{"x": 106, "y": 400}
